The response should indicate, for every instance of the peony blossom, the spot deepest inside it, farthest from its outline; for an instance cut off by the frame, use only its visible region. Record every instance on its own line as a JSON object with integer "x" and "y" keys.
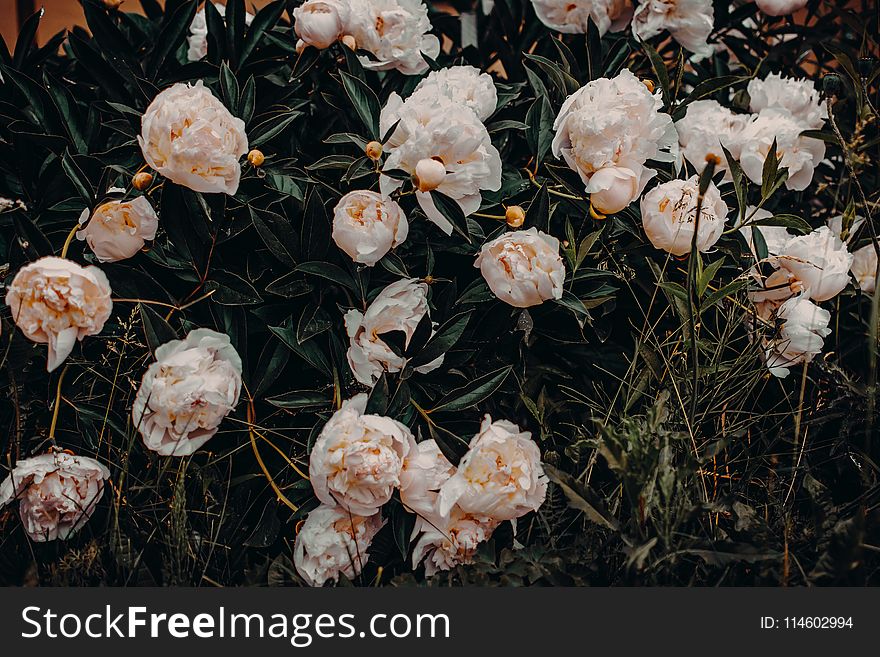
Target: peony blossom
{"x": 500, "y": 476}
{"x": 690, "y": 22}
{"x": 464, "y": 85}
{"x": 189, "y": 137}
{"x": 197, "y": 40}
{"x": 775, "y": 237}
{"x": 443, "y": 133}
{"x": 573, "y": 16}
{"x": 57, "y": 302}
{"x": 399, "y": 307}
{"x": 804, "y": 325}
{"x": 425, "y": 469}
{"x": 523, "y": 268}
{"x": 780, "y": 7}
{"x": 705, "y": 128}
{"x": 836, "y": 224}
{"x": 333, "y": 542}
{"x": 357, "y": 458}
{"x": 367, "y": 225}
{"x": 799, "y": 98}
{"x": 118, "y": 229}
{"x": 320, "y": 23}
{"x": 606, "y": 131}
{"x": 820, "y": 261}
{"x": 669, "y": 213}
{"x": 864, "y": 268}
{"x": 799, "y": 155}
{"x": 395, "y": 32}
{"x": 186, "y": 393}
{"x": 57, "y": 493}
{"x": 446, "y": 542}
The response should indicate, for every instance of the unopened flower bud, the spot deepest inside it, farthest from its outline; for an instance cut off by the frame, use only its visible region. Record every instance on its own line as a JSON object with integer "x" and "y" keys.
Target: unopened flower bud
{"x": 430, "y": 173}
{"x": 256, "y": 158}
{"x": 112, "y": 4}
{"x": 373, "y": 150}
{"x": 142, "y": 181}
{"x": 649, "y": 84}
{"x": 349, "y": 41}
{"x": 515, "y": 216}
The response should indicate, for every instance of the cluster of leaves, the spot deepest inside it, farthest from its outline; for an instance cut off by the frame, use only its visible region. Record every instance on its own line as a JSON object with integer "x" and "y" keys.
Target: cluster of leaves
{"x": 674, "y": 457}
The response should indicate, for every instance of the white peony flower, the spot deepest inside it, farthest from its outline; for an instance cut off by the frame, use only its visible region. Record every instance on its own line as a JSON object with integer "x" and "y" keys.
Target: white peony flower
{"x": 446, "y": 542}
{"x": 461, "y": 84}
{"x": 395, "y": 32}
{"x": 820, "y": 261}
{"x": 118, "y": 229}
{"x": 864, "y": 268}
{"x": 836, "y": 225}
{"x": 451, "y": 134}
{"x": 367, "y": 225}
{"x": 572, "y": 16}
{"x": 189, "y": 137}
{"x": 399, "y": 307}
{"x": 705, "y": 128}
{"x": 186, "y": 393}
{"x": 523, "y": 268}
{"x": 780, "y": 7}
{"x": 500, "y": 476}
{"x": 57, "y": 302}
{"x": 690, "y": 22}
{"x": 57, "y": 493}
{"x": 799, "y": 155}
{"x": 197, "y": 40}
{"x": 357, "y": 459}
{"x": 425, "y": 469}
{"x": 669, "y": 213}
{"x": 606, "y": 131}
{"x": 333, "y": 542}
{"x": 320, "y": 23}
{"x": 799, "y": 98}
{"x": 800, "y": 337}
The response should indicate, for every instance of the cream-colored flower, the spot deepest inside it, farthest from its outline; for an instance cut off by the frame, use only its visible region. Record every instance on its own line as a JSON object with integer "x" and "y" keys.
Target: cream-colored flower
{"x": 395, "y": 32}
{"x": 57, "y": 302}
{"x": 836, "y": 224}
{"x": 358, "y": 457}
{"x": 118, "y": 229}
{"x": 690, "y": 22}
{"x": 197, "y": 40}
{"x": 333, "y": 542}
{"x": 446, "y": 542}
{"x": 425, "y": 469}
{"x": 705, "y": 128}
{"x": 606, "y": 132}
{"x": 461, "y": 84}
{"x": 367, "y": 225}
{"x": 186, "y": 393}
{"x": 523, "y": 268}
{"x": 500, "y": 477}
{"x": 399, "y": 307}
{"x": 775, "y": 237}
{"x": 799, "y": 98}
{"x": 820, "y": 261}
{"x": 780, "y": 7}
{"x": 320, "y": 23}
{"x": 864, "y": 268}
{"x": 572, "y": 16}
{"x": 189, "y": 137}
{"x": 669, "y": 216}
{"x": 440, "y": 130}
{"x": 57, "y": 493}
{"x": 804, "y": 325}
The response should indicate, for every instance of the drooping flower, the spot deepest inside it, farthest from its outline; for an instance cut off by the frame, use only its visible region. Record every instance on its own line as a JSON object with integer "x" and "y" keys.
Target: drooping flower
{"x": 320, "y": 23}
{"x": 804, "y": 325}
{"x": 446, "y": 542}
{"x": 606, "y": 131}
{"x": 399, "y": 307}
{"x": 573, "y": 16}
{"x": 464, "y": 85}
{"x": 197, "y": 40}
{"x": 864, "y": 268}
{"x": 395, "y": 32}
{"x": 669, "y": 216}
{"x": 799, "y": 98}
{"x": 118, "y": 229}
{"x": 500, "y": 476}
{"x": 333, "y": 542}
{"x": 690, "y": 22}
{"x": 57, "y": 302}
{"x": 189, "y": 137}
{"x": 57, "y": 493}
{"x": 705, "y": 128}
{"x": 367, "y": 225}
{"x": 358, "y": 457}
{"x": 425, "y": 469}
{"x": 523, "y": 268}
{"x": 186, "y": 393}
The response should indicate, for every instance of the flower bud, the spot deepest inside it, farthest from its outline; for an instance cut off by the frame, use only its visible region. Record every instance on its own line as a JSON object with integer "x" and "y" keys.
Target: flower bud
{"x": 612, "y": 189}
{"x": 142, "y": 181}
{"x": 373, "y": 150}
{"x": 349, "y": 41}
{"x": 515, "y": 216}
{"x": 112, "y": 5}
{"x": 649, "y": 84}
{"x": 430, "y": 174}
{"x": 256, "y": 158}
{"x": 319, "y": 23}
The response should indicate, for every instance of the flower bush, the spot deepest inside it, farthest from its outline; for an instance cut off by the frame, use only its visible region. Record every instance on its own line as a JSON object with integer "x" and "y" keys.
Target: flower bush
{"x": 404, "y": 292}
